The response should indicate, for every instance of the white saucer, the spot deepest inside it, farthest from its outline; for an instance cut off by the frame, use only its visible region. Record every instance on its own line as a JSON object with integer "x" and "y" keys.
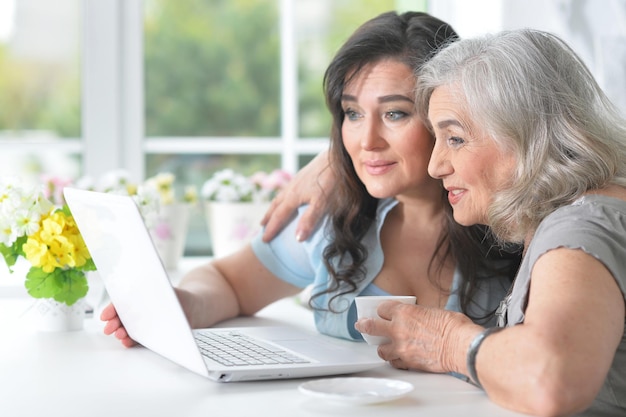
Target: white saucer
{"x": 355, "y": 390}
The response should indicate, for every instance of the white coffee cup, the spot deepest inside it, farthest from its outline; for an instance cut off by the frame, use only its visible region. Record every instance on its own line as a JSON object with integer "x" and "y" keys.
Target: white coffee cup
{"x": 367, "y": 305}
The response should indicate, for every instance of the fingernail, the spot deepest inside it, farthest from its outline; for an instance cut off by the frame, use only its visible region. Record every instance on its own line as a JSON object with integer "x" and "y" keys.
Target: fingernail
{"x": 299, "y": 236}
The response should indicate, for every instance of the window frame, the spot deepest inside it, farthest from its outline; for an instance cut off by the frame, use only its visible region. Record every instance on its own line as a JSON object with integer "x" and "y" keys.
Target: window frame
{"x": 113, "y": 97}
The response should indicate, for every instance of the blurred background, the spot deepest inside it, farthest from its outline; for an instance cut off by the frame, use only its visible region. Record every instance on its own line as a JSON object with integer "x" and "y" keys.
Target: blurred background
{"x": 194, "y": 86}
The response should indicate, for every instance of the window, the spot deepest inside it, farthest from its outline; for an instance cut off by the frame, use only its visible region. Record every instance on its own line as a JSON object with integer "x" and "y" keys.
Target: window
{"x": 40, "y": 89}
{"x": 87, "y": 86}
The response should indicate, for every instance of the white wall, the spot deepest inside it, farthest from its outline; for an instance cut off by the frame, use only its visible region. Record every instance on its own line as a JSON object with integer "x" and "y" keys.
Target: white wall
{"x": 595, "y": 29}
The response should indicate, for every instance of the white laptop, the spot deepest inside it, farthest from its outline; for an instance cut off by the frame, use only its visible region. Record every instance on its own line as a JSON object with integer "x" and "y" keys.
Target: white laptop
{"x": 140, "y": 289}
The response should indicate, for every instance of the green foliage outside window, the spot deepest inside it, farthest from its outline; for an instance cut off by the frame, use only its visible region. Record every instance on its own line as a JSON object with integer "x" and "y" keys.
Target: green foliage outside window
{"x": 39, "y": 95}
{"x": 212, "y": 68}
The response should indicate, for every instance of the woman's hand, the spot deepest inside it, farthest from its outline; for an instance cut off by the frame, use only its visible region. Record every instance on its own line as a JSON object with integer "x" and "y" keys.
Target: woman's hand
{"x": 422, "y": 338}
{"x": 310, "y": 185}
{"x": 114, "y": 326}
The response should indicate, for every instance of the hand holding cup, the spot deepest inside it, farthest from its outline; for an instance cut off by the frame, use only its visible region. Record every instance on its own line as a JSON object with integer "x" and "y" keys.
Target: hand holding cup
{"x": 366, "y": 307}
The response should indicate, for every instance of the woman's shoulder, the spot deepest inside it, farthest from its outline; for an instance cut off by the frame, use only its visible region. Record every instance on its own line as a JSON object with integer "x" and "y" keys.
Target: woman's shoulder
{"x": 592, "y": 220}
{"x": 594, "y": 223}
{"x": 596, "y": 209}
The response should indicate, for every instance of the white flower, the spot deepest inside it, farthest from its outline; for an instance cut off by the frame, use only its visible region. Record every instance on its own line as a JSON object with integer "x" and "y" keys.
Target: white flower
{"x": 163, "y": 184}
{"x": 8, "y": 233}
{"x": 115, "y": 182}
{"x": 148, "y": 201}
{"x": 226, "y": 185}
{"x": 21, "y": 210}
{"x": 85, "y": 183}
{"x": 26, "y": 222}
{"x": 226, "y": 193}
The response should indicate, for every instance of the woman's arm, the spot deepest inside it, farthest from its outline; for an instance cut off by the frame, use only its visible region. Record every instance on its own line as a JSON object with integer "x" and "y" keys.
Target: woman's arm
{"x": 236, "y": 285}
{"x": 310, "y": 185}
{"x": 553, "y": 364}
{"x": 556, "y": 362}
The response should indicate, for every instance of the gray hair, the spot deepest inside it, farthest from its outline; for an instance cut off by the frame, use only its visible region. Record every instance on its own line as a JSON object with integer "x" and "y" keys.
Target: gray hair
{"x": 530, "y": 93}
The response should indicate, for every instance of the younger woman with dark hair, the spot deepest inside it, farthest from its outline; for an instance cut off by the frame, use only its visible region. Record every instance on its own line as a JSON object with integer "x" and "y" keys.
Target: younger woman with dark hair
{"x": 388, "y": 228}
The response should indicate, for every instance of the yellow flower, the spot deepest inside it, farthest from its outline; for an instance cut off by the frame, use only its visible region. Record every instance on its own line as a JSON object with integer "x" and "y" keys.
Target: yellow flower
{"x": 34, "y": 250}
{"x": 62, "y": 251}
{"x": 58, "y": 244}
{"x": 81, "y": 253}
{"x": 131, "y": 189}
{"x": 191, "y": 194}
{"x": 167, "y": 196}
{"x": 52, "y": 226}
{"x": 164, "y": 180}
{"x": 163, "y": 183}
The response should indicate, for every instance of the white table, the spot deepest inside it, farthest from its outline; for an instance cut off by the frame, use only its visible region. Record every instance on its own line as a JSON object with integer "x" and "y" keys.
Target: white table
{"x": 85, "y": 373}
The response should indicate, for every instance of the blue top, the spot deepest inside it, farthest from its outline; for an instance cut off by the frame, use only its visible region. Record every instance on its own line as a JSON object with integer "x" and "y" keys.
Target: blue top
{"x": 301, "y": 264}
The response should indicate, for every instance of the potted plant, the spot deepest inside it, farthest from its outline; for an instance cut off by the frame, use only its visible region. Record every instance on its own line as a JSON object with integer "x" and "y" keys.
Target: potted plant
{"x": 44, "y": 234}
{"x": 169, "y": 223}
{"x": 235, "y": 204}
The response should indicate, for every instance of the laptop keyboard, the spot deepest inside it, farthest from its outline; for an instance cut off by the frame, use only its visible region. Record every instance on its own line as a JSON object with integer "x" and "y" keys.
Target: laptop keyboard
{"x": 236, "y": 349}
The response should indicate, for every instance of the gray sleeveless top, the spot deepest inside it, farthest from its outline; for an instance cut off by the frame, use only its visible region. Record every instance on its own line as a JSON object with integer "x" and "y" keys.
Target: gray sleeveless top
{"x": 597, "y": 225}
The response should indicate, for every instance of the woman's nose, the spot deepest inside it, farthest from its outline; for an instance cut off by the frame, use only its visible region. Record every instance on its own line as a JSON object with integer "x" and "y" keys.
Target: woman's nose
{"x": 439, "y": 166}
{"x": 373, "y": 135}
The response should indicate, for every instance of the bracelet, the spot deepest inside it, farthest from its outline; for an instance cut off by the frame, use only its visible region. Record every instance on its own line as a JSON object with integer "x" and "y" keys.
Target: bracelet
{"x": 473, "y": 351}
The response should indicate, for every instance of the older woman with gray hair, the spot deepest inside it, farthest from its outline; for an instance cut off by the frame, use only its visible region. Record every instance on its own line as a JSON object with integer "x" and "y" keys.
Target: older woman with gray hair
{"x": 528, "y": 144}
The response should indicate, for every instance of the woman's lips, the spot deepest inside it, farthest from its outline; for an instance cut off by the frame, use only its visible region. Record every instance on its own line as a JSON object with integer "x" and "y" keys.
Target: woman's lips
{"x": 455, "y": 195}
{"x": 378, "y": 167}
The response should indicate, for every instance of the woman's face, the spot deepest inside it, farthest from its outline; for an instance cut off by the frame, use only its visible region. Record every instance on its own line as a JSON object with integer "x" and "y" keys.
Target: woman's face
{"x": 388, "y": 144}
{"x": 473, "y": 168}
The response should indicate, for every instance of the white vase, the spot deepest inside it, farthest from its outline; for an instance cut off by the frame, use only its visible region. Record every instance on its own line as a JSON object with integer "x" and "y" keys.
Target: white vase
{"x": 169, "y": 233}
{"x": 53, "y": 316}
{"x": 232, "y": 224}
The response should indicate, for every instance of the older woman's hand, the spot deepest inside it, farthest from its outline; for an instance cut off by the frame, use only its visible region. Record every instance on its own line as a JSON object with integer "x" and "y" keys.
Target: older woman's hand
{"x": 310, "y": 186}
{"x": 422, "y": 338}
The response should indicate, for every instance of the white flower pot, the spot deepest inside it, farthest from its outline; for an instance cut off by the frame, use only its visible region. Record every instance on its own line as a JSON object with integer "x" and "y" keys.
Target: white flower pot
{"x": 53, "y": 316}
{"x": 232, "y": 224}
{"x": 169, "y": 232}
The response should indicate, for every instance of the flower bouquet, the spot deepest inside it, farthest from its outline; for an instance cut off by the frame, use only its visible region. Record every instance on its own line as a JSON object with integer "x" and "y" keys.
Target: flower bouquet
{"x": 44, "y": 234}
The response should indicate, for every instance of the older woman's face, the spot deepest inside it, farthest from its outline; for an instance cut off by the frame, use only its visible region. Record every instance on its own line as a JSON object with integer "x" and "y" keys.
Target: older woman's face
{"x": 469, "y": 162}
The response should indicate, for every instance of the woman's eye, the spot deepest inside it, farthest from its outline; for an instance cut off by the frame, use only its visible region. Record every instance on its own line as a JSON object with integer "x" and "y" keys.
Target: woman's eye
{"x": 455, "y": 141}
{"x": 351, "y": 114}
{"x": 395, "y": 115}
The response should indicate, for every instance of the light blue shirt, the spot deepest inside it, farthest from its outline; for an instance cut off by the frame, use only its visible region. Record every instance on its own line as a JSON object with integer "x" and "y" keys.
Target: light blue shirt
{"x": 301, "y": 264}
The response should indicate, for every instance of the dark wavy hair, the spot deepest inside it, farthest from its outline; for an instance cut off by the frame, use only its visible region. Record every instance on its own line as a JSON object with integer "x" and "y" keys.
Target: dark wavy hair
{"x": 411, "y": 38}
